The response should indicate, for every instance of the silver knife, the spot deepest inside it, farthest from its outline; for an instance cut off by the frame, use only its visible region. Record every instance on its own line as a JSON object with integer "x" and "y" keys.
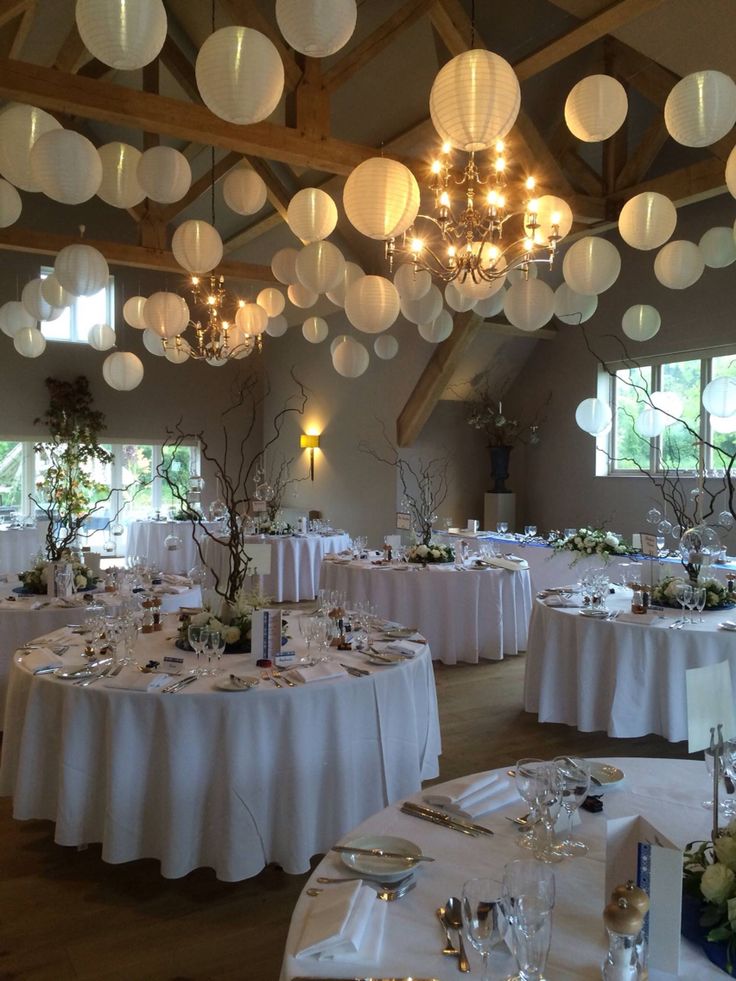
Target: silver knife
{"x": 463, "y": 829}
{"x": 447, "y": 818}
{"x": 178, "y": 685}
{"x": 355, "y": 672}
{"x": 379, "y": 853}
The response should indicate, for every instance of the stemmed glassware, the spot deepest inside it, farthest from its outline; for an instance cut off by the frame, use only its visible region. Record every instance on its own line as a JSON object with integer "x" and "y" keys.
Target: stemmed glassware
{"x": 480, "y": 905}
{"x": 502, "y": 527}
{"x": 214, "y": 646}
{"x": 575, "y": 776}
{"x": 528, "y": 898}
{"x": 540, "y": 785}
{"x": 683, "y": 591}
{"x": 197, "y": 636}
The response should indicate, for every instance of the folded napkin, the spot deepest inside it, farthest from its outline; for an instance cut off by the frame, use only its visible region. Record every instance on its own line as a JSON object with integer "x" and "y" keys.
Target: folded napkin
{"x": 42, "y": 657}
{"x": 557, "y": 600}
{"x": 474, "y": 795}
{"x": 321, "y": 671}
{"x": 408, "y": 648}
{"x": 133, "y": 680}
{"x": 345, "y": 922}
{"x": 174, "y": 580}
{"x": 513, "y": 565}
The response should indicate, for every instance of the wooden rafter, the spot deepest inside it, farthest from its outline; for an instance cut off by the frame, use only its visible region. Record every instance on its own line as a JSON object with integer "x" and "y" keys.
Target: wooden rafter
{"x": 72, "y": 54}
{"x": 23, "y": 30}
{"x": 642, "y": 158}
{"x": 278, "y": 195}
{"x": 200, "y": 187}
{"x": 10, "y": 9}
{"x": 180, "y": 68}
{"x": 687, "y": 185}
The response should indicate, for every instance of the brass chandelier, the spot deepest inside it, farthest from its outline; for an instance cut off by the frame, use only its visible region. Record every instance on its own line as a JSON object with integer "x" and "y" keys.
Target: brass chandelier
{"x": 218, "y": 337}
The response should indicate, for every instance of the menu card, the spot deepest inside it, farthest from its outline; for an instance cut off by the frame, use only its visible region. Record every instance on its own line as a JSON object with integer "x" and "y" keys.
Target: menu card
{"x": 265, "y": 633}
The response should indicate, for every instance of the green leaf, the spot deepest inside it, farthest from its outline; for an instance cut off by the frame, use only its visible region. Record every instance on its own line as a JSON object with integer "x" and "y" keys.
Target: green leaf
{"x": 720, "y": 933}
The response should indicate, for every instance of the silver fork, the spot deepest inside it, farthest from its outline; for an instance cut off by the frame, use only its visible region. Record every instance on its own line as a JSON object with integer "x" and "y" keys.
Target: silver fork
{"x": 284, "y": 677}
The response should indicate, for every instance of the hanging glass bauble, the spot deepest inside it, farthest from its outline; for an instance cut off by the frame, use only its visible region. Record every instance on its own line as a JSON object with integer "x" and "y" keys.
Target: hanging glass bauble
{"x": 263, "y": 491}
{"x": 664, "y": 527}
{"x": 726, "y": 520}
{"x": 654, "y": 516}
{"x": 698, "y": 547}
{"x": 172, "y": 543}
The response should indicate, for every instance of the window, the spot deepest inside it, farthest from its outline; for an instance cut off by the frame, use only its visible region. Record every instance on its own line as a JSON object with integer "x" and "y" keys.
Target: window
{"x": 75, "y": 322}
{"x": 11, "y": 476}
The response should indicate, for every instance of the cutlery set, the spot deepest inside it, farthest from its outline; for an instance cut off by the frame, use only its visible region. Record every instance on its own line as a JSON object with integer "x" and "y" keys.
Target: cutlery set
{"x": 178, "y": 685}
{"x": 111, "y": 672}
{"x": 425, "y": 813}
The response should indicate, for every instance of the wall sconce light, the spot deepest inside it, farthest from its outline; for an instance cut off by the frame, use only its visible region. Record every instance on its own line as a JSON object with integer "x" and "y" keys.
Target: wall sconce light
{"x": 309, "y": 441}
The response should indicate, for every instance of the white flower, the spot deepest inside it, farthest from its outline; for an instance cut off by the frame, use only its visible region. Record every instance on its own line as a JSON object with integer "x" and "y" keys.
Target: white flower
{"x": 611, "y": 539}
{"x": 231, "y": 635}
{"x": 578, "y": 540}
{"x": 422, "y": 550}
{"x": 200, "y": 619}
{"x": 436, "y": 553}
{"x": 80, "y": 582}
{"x": 718, "y": 882}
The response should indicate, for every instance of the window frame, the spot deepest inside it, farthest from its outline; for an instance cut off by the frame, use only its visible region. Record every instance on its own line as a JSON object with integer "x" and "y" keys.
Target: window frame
{"x": 74, "y": 326}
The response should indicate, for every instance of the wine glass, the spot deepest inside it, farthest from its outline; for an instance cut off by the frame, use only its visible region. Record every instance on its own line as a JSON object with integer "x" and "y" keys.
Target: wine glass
{"x": 214, "y": 646}
{"x": 502, "y": 527}
{"x": 197, "y": 637}
{"x": 575, "y": 775}
{"x": 530, "y": 785}
{"x": 480, "y": 908}
{"x": 683, "y": 592}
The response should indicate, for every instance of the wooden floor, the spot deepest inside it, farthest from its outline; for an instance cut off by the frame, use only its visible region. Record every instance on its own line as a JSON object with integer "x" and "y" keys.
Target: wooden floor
{"x": 67, "y": 916}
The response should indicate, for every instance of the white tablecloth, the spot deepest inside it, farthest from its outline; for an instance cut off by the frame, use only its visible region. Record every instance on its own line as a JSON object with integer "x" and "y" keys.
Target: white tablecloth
{"x": 465, "y": 615}
{"x": 146, "y": 538}
{"x": 229, "y": 780}
{"x": 668, "y": 792}
{"x": 18, "y": 546}
{"x": 627, "y": 679}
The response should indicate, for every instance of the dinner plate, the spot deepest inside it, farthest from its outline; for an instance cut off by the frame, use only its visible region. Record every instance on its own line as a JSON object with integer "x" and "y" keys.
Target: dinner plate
{"x": 398, "y": 633}
{"x": 727, "y": 625}
{"x": 78, "y": 670}
{"x": 239, "y": 684}
{"x": 376, "y": 867}
{"x": 595, "y": 614}
{"x": 604, "y": 773}
{"x": 388, "y": 660}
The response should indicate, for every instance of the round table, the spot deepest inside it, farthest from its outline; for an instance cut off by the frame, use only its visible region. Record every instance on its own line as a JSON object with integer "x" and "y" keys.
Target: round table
{"x": 228, "y": 780}
{"x": 624, "y": 678}
{"x": 147, "y": 539}
{"x": 668, "y": 792}
{"x": 18, "y": 546}
{"x": 465, "y": 615}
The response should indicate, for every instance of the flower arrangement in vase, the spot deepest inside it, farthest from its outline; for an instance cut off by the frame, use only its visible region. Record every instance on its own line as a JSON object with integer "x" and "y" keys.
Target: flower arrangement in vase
{"x": 591, "y": 541}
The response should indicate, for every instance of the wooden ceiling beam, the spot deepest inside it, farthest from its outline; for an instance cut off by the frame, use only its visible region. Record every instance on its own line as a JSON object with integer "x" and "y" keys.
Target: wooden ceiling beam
{"x": 642, "y": 158}
{"x": 24, "y": 28}
{"x": 312, "y": 102}
{"x": 278, "y": 195}
{"x": 181, "y": 68}
{"x": 72, "y": 54}
{"x": 252, "y": 232}
{"x": 10, "y": 9}
{"x": 696, "y": 182}
{"x": 201, "y": 186}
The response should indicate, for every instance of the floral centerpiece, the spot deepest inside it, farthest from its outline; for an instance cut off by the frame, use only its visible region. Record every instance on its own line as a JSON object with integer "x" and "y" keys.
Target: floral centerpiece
{"x": 709, "y": 897}
{"x": 591, "y": 541}
{"x": 36, "y": 579}
{"x": 276, "y": 527}
{"x": 233, "y": 622}
{"x": 432, "y": 552}
{"x": 717, "y": 595}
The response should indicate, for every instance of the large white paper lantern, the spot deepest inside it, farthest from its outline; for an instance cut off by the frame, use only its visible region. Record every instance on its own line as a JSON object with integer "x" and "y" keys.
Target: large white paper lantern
{"x": 381, "y": 198}
{"x": 20, "y": 127}
{"x": 386, "y": 347}
{"x": 591, "y": 265}
{"x": 120, "y": 186}
{"x": 122, "y": 371}
{"x": 730, "y": 172}
{"x": 719, "y": 396}
{"x": 490, "y": 306}
{"x": 302, "y": 297}
{"x": 474, "y": 100}
{"x": 320, "y": 266}
{"x": 240, "y": 344}
{"x": 311, "y": 215}
{"x": 29, "y": 342}
{"x": 166, "y": 314}
{"x": 425, "y": 309}
{"x": 670, "y": 403}
{"x": 521, "y": 273}
{"x": 244, "y": 190}
{"x": 37, "y": 306}
{"x": 641, "y": 322}
{"x": 372, "y": 304}
{"x": 197, "y": 246}
{"x": 650, "y": 423}
{"x": 54, "y": 293}
{"x": 66, "y": 166}
{"x": 272, "y": 300}
{"x": 81, "y": 269}
{"x": 277, "y": 326}
{"x": 283, "y": 266}
{"x": 14, "y": 317}
{"x": 316, "y": 28}
{"x": 529, "y": 305}
{"x": 133, "y": 312}
{"x": 647, "y": 220}
{"x": 596, "y": 108}
{"x": 553, "y": 215}
{"x": 351, "y": 272}
{"x": 594, "y": 416}
{"x": 315, "y": 330}
{"x": 457, "y": 299}
{"x": 718, "y": 247}
{"x": 177, "y": 351}
{"x": 10, "y": 204}
{"x": 701, "y": 108}
{"x": 154, "y": 343}
{"x": 722, "y": 424}
{"x": 124, "y": 34}
{"x": 252, "y": 319}
{"x": 164, "y": 174}
{"x": 240, "y": 75}
{"x": 573, "y": 308}
{"x": 101, "y": 337}
{"x": 349, "y": 357}
{"x": 482, "y": 290}
{"x": 438, "y": 330}
{"x": 411, "y": 283}
{"x": 679, "y": 264}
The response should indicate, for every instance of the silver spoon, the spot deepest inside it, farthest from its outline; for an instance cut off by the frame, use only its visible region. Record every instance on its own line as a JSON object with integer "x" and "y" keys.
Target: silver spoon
{"x": 454, "y": 919}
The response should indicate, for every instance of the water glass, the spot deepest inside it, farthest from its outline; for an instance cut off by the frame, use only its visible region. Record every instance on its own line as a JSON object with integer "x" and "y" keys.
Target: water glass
{"x": 683, "y": 592}
{"x": 575, "y": 776}
{"x": 530, "y": 530}
{"x": 528, "y": 898}
{"x": 214, "y": 646}
{"x": 480, "y": 905}
{"x": 197, "y": 636}
{"x": 502, "y": 527}
{"x": 700, "y": 594}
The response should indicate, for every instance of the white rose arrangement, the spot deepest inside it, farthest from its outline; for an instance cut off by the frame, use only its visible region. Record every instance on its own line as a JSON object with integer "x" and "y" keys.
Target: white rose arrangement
{"x": 591, "y": 541}
{"x": 233, "y": 623}
{"x": 709, "y": 879}
{"x": 716, "y": 594}
{"x": 431, "y": 553}
{"x": 36, "y": 579}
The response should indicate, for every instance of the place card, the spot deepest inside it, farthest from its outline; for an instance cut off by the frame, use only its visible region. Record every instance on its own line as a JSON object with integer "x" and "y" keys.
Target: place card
{"x": 284, "y": 658}
{"x": 403, "y": 521}
{"x": 265, "y": 633}
{"x": 649, "y": 545}
{"x": 709, "y": 704}
{"x": 259, "y": 507}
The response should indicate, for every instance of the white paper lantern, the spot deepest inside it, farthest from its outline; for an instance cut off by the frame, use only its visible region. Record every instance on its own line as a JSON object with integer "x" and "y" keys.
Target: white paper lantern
{"x": 124, "y": 34}
{"x": 316, "y": 28}
{"x": 647, "y": 220}
{"x": 54, "y": 293}
{"x": 66, "y": 166}
{"x": 166, "y": 314}
{"x": 252, "y": 319}
{"x": 34, "y": 302}
{"x": 596, "y": 108}
{"x": 240, "y": 75}
{"x": 529, "y": 305}
{"x": 122, "y": 371}
{"x": 553, "y": 215}
{"x": 277, "y": 326}
{"x": 372, "y": 304}
{"x": 272, "y": 300}
{"x": 591, "y": 265}
{"x": 650, "y": 423}
{"x": 491, "y": 306}
{"x": 573, "y": 308}
{"x": 29, "y": 342}
{"x": 244, "y": 190}
{"x": 641, "y": 322}
{"x": 474, "y": 100}
{"x": 730, "y": 172}
{"x": 101, "y": 337}
{"x": 14, "y": 317}
{"x": 349, "y": 358}
{"x": 81, "y": 270}
{"x": 120, "y": 186}
{"x": 425, "y": 309}
{"x": 320, "y": 267}
{"x": 302, "y": 297}
{"x": 10, "y": 204}
{"x": 722, "y": 424}
{"x": 594, "y": 416}
{"x": 315, "y": 329}
{"x": 197, "y": 246}
{"x": 177, "y": 351}
{"x": 20, "y": 127}
{"x": 381, "y": 198}
{"x": 482, "y": 290}
{"x": 411, "y": 283}
{"x": 701, "y": 108}
{"x": 519, "y": 274}
{"x": 133, "y": 312}
{"x": 458, "y": 300}
{"x": 679, "y": 264}
{"x": 311, "y": 215}
{"x": 437, "y": 331}
{"x": 718, "y": 247}
{"x": 719, "y": 396}
{"x": 350, "y": 274}
{"x": 283, "y": 266}
{"x": 154, "y": 343}
{"x": 670, "y": 403}
{"x": 386, "y": 347}
{"x": 240, "y": 343}
{"x": 164, "y": 174}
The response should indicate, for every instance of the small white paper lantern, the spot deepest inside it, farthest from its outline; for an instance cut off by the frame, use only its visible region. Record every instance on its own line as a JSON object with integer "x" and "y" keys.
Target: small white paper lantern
{"x": 154, "y": 343}
{"x": 252, "y": 319}
{"x": 386, "y": 347}
{"x": 177, "y": 351}
{"x": 669, "y": 403}
{"x": 594, "y": 416}
{"x": 101, "y": 337}
{"x": 701, "y": 108}
{"x": 381, "y": 198}
{"x": 197, "y": 246}
{"x": 647, "y": 220}
{"x": 529, "y": 305}
{"x": 272, "y": 300}
{"x": 14, "y": 317}
{"x": 244, "y": 190}
{"x": 316, "y": 28}
{"x": 596, "y": 108}
{"x": 29, "y": 342}
{"x": 437, "y": 331}
{"x": 490, "y": 306}
{"x": 54, "y": 293}
{"x": 34, "y": 302}
{"x": 302, "y": 297}
{"x": 474, "y": 100}
{"x": 315, "y": 329}
{"x": 591, "y": 265}
{"x": 240, "y": 75}
{"x": 283, "y": 266}
{"x": 164, "y": 174}
{"x": 719, "y": 396}
{"x": 411, "y": 283}
{"x": 124, "y": 34}
{"x": 20, "y": 127}
{"x": 277, "y": 326}
{"x": 133, "y": 312}
{"x": 240, "y": 344}
{"x": 641, "y": 322}
{"x": 66, "y": 166}
{"x": 722, "y": 424}
{"x": 573, "y": 308}
{"x": 425, "y": 309}
{"x": 166, "y": 314}
{"x": 457, "y": 299}
{"x": 81, "y": 270}
{"x": 372, "y": 304}
{"x": 320, "y": 267}
{"x": 10, "y": 204}
{"x": 122, "y": 371}
{"x": 553, "y": 214}
{"x": 351, "y": 272}
{"x": 120, "y": 186}
{"x": 476, "y": 291}
{"x": 311, "y": 215}
{"x": 349, "y": 357}
{"x": 718, "y": 247}
{"x": 730, "y": 171}
{"x": 679, "y": 264}
{"x": 650, "y": 423}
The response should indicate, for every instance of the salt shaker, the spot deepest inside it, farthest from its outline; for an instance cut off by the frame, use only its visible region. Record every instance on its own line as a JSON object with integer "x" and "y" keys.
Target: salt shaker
{"x": 623, "y": 923}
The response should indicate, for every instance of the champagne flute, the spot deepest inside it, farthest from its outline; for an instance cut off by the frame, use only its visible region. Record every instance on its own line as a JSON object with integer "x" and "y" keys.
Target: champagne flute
{"x": 529, "y": 783}
{"x": 528, "y": 897}
{"x": 701, "y": 594}
{"x": 575, "y": 775}
{"x": 480, "y": 908}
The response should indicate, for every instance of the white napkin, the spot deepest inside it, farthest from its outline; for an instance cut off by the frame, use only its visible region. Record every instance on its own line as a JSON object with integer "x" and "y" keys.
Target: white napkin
{"x": 134, "y": 680}
{"x": 345, "y": 922}
{"x": 174, "y": 580}
{"x": 41, "y": 658}
{"x": 556, "y": 600}
{"x": 321, "y": 671}
{"x": 169, "y": 589}
{"x": 510, "y": 564}
{"x": 474, "y": 795}
{"x": 408, "y": 648}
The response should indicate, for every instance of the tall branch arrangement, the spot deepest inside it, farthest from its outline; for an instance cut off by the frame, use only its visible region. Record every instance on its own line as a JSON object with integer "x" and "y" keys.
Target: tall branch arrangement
{"x": 486, "y": 414}
{"x": 275, "y": 477}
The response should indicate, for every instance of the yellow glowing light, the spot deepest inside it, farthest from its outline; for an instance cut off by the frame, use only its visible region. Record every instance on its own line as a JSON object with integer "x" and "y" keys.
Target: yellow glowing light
{"x": 451, "y": 251}
{"x": 538, "y": 238}
{"x": 195, "y": 280}
{"x": 492, "y": 197}
{"x": 528, "y": 244}
{"x": 501, "y": 201}
{"x": 241, "y": 303}
{"x": 211, "y": 300}
{"x": 436, "y": 166}
{"x": 530, "y": 183}
{"x": 445, "y": 199}
{"x": 555, "y": 218}
{"x": 500, "y": 165}
{"x": 446, "y": 147}
{"x": 533, "y": 206}
{"x": 417, "y": 245}
{"x": 493, "y": 253}
{"x": 500, "y": 146}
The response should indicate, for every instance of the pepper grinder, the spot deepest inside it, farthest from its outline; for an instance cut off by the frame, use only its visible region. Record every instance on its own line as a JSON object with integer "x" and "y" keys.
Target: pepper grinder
{"x": 639, "y": 899}
{"x": 623, "y": 922}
